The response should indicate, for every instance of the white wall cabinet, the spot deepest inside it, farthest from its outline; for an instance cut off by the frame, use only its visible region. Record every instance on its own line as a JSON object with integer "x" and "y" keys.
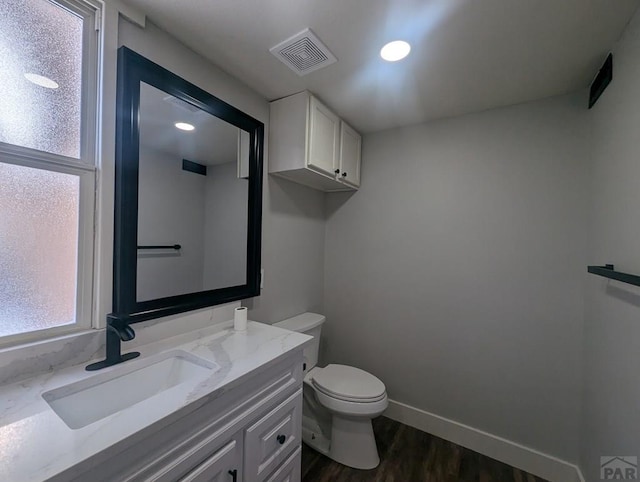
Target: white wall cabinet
{"x": 350, "y": 147}
{"x": 324, "y": 138}
{"x": 252, "y": 433}
{"x": 310, "y": 145}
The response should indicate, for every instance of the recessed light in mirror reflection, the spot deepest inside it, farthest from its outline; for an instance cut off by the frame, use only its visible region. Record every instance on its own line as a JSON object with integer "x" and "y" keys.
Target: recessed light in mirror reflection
{"x": 183, "y": 126}
{"x": 41, "y": 80}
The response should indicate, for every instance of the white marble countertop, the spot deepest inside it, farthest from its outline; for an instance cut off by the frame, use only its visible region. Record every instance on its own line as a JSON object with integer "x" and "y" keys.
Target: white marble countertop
{"x": 35, "y": 444}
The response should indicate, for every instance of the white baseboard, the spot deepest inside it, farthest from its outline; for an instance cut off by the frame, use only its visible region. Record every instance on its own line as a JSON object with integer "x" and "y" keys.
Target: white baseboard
{"x": 512, "y": 453}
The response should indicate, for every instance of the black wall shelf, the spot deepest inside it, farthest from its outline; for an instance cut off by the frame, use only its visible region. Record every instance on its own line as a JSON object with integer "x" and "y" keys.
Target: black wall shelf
{"x": 608, "y": 272}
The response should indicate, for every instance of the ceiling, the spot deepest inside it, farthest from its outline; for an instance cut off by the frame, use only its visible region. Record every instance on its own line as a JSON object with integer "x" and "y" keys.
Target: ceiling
{"x": 467, "y": 55}
{"x": 212, "y": 141}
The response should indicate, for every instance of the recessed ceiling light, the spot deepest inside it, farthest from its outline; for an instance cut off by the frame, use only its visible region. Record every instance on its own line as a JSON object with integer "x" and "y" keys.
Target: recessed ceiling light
{"x": 396, "y": 50}
{"x": 41, "y": 81}
{"x": 184, "y": 126}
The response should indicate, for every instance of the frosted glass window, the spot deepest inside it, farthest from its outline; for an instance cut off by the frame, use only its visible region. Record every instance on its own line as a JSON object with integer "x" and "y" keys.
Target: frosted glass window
{"x": 41, "y": 41}
{"x": 38, "y": 248}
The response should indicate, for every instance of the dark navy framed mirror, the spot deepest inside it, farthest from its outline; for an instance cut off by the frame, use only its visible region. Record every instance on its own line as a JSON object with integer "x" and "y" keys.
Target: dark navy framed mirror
{"x": 188, "y": 200}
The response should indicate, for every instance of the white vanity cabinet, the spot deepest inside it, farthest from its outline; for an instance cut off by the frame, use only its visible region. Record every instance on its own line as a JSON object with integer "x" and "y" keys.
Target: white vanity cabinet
{"x": 251, "y": 432}
{"x": 310, "y": 145}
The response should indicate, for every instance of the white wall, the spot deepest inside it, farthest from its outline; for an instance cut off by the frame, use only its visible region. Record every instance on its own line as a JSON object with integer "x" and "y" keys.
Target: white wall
{"x": 171, "y": 210}
{"x": 292, "y": 252}
{"x": 455, "y": 273}
{"x": 612, "y": 322}
{"x": 225, "y": 227}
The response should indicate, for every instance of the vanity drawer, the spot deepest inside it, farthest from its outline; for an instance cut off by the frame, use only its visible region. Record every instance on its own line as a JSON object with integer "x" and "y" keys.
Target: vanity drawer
{"x": 210, "y": 460}
{"x": 290, "y": 469}
{"x": 223, "y": 466}
{"x": 270, "y": 440}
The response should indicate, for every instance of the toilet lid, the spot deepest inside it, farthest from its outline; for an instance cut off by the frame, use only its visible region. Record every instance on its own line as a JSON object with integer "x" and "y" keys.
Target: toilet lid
{"x": 349, "y": 383}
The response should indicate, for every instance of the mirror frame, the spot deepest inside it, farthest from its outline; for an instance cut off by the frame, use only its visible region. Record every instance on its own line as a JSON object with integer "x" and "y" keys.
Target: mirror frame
{"x": 132, "y": 70}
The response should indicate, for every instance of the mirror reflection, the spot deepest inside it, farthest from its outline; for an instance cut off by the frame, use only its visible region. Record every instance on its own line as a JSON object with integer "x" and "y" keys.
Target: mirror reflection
{"x": 192, "y": 199}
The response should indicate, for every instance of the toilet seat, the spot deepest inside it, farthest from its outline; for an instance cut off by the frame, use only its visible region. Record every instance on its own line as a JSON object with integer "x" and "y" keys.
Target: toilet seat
{"x": 366, "y": 410}
{"x": 348, "y": 384}
{"x": 348, "y": 399}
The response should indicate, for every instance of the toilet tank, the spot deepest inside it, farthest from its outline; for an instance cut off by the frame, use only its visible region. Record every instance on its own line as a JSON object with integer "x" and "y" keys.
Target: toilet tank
{"x": 309, "y": 324}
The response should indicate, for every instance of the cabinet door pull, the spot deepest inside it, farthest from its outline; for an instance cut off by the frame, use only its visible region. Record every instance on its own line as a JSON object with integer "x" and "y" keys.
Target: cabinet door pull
{"x": 234, "y": 475}
{"x": 281, "y": 439}
{"x": 344, "y": 174}
{"x": 337, "y": 171}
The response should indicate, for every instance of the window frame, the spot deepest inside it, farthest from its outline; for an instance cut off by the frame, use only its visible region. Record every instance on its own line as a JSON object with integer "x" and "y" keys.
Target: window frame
{"x": 85, "y": 167}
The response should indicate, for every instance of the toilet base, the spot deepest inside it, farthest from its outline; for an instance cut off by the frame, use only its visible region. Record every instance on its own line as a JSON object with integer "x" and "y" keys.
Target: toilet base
{"x": 340, "y": 430}
{"x": 316, "y": 440}
{"x": 353, "y": 443}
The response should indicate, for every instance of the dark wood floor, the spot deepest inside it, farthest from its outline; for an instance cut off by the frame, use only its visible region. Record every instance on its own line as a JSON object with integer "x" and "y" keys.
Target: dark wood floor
{"x": 409, "y": 455}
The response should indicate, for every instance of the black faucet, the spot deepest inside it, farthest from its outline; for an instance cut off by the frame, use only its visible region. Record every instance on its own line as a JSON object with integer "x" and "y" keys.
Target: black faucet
{"x": 118, "y": 330}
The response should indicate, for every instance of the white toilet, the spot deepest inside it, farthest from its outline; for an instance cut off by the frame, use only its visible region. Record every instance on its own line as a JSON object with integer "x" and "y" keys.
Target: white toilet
{"x": 339, "y": 403}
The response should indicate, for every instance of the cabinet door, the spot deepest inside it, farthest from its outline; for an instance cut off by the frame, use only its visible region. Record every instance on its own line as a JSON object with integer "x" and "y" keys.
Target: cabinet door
{"x": 225, "y": 465}
{"x": 323, "y": 138}
{"x": 290, "y": 470}
{"x": 350, "y": 146}
{"x": 271, "y": 440}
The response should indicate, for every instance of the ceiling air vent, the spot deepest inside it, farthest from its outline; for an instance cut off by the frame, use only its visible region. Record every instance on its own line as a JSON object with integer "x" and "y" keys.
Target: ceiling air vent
{"x": 303, "y": 53}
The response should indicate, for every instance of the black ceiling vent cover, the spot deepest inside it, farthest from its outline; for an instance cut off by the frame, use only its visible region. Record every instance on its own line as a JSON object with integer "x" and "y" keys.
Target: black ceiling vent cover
{"x": 601, "y": 81}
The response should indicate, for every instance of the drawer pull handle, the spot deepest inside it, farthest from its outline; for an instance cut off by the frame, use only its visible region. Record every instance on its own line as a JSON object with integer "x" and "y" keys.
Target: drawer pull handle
{"x": 281, "y": 439}
{"x": 344, "y": 174}
{"x": 234, "y": 475}
{"x": 337, "y": 171}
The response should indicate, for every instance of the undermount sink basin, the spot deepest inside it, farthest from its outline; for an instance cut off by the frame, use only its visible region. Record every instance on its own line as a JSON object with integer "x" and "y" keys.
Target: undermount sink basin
{"x": 81, "y": 403}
